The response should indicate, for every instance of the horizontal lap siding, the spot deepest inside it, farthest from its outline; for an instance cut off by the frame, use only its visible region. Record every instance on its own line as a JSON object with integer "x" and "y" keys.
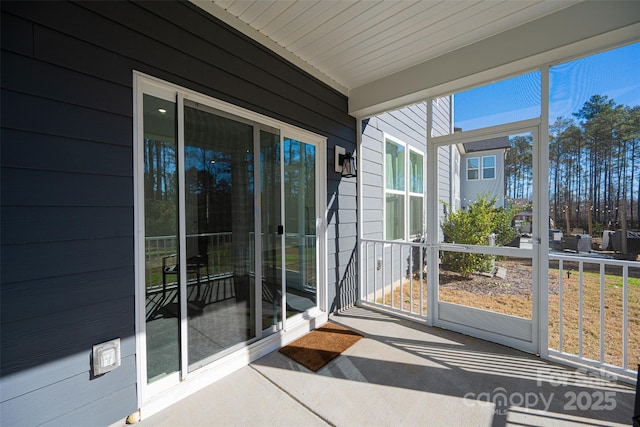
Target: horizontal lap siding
{"x": 442, "y": 126}
{"x": 372, "y": 176}
{"x": 441, "y": 113}
{"x": 409, "y": 126}
{"x": 67, "y": 183}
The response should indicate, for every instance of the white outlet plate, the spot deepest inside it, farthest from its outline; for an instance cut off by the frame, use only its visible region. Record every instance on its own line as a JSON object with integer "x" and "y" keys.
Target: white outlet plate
{"x": 106, "y": 357}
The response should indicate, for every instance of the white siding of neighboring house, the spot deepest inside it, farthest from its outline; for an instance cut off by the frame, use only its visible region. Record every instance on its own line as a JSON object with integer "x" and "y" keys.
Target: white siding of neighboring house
{"x": 470, "y": 190}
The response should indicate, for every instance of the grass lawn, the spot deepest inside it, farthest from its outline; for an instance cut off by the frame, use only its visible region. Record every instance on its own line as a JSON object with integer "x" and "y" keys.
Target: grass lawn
{"x": 521, "y": 305}
{"x": 613, "y": 313}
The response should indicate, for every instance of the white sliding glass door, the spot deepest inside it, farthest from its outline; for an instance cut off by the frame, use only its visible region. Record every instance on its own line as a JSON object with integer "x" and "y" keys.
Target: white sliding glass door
{"x": 229, "y": 224}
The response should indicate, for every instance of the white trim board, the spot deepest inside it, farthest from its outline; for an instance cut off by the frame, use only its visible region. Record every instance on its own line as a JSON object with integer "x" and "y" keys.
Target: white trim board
{"x": 583, "y": 29}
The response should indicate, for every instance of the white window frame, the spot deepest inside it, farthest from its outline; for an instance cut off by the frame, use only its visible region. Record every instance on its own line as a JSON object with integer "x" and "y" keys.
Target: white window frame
{"x": 406, "y": 193}
{"x": 387, "y": 191}
{"x": 483, "y": 167}
{"x": 411, "y": 194}
{"x": 467, "y": 168}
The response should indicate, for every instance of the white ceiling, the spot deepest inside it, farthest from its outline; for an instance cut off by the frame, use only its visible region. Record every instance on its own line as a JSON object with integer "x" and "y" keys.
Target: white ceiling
{"x": 349, "y": 43}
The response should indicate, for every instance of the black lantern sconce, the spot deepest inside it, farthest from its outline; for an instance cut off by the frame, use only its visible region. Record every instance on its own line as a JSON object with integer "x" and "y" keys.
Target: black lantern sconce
{"x": 345, "y": 163}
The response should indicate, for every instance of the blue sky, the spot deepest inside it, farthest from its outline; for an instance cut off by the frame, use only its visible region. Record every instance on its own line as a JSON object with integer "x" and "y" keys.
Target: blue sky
{"x": 614, "y": 73}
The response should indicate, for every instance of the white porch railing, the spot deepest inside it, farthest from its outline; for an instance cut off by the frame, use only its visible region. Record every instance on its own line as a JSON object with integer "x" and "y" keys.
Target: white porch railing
{"x": 393, "y": 277}
{"x": 571, "y": 327}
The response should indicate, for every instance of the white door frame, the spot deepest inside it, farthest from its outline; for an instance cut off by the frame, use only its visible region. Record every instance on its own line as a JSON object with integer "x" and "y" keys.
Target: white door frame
{"x": 162, "y": 393}
{"x": 512, "y": 331}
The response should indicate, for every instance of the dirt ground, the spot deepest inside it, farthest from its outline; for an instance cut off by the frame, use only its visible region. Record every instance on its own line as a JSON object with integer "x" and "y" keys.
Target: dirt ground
{"x": 512, "y": 295}
{"x": 517, "y": 281}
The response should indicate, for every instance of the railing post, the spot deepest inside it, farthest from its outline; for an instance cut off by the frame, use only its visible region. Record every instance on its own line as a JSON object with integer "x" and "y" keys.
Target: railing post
{"x": 560, "y": 303}
{"x": 602, "y": 296}
{"x": 625, "y": 314}
{"x": 580, "y": 300}
{"x": 421, "y": 250}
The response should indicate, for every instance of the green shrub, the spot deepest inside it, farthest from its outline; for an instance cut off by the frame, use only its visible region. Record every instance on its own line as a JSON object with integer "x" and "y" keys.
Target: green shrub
{"x": 473, "y": 227}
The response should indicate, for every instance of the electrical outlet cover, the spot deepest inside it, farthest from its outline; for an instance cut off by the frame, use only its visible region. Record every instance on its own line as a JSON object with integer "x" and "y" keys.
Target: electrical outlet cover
{"x": 106, "y": 357}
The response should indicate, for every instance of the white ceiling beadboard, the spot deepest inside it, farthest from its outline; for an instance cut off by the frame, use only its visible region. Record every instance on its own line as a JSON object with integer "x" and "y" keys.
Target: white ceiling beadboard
{"x": 354, "y": 42}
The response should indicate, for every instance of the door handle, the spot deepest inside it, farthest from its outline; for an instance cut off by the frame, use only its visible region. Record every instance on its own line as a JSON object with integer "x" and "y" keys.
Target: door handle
{"x": 280, "y": 230}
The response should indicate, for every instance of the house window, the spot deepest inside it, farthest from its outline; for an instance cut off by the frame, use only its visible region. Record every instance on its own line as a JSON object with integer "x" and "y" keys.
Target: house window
{"x": 416, "y": 192}
{"x": 404, "y": 203}
{"x": 473, "y": 166}
{"x": 394, "y": 189}
{"x": 488, "y": 167}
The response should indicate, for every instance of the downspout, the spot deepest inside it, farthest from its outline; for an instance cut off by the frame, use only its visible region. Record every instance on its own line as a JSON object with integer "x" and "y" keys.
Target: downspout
{"x": 360, "y": 127}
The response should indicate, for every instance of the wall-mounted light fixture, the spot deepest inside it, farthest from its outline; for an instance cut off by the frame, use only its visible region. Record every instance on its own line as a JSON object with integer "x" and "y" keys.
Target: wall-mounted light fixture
{"x": 344, "y": 163}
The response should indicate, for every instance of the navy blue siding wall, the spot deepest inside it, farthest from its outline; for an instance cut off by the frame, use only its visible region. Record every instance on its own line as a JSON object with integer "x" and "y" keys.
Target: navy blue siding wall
{"x": 67, "y": 265}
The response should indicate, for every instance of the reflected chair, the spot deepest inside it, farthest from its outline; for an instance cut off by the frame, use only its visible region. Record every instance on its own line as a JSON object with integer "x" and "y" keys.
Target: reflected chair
{"x": 197, "y": 259}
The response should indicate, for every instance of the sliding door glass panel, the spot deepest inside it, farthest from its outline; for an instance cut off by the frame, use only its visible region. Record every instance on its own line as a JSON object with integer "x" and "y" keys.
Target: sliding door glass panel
{"x": 300, "y": 225}
{"x": 219, "y": 212}
{"x": 272, "y": 231}
{"x": 161, "y": 238}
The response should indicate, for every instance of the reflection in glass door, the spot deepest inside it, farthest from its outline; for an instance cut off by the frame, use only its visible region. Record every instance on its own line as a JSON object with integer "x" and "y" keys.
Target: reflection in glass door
{"x": 300, "y": 225}
{"x": 219, "y": 221}
{"x": 272, "y": 229}
{"x": 229, "y": 217}
{"x": 162, "y": 296}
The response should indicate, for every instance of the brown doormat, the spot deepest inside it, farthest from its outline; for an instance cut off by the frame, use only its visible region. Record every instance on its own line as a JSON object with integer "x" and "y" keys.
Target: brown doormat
{"x": 321, "y": 346}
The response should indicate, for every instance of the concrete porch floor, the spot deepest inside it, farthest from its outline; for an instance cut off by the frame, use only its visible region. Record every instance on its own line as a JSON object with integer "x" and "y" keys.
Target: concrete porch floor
{"x": 405, "y": 374}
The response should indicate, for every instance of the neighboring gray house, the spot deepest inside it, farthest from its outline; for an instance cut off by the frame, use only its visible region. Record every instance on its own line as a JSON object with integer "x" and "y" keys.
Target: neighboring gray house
{"x": 482, "y": 169}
